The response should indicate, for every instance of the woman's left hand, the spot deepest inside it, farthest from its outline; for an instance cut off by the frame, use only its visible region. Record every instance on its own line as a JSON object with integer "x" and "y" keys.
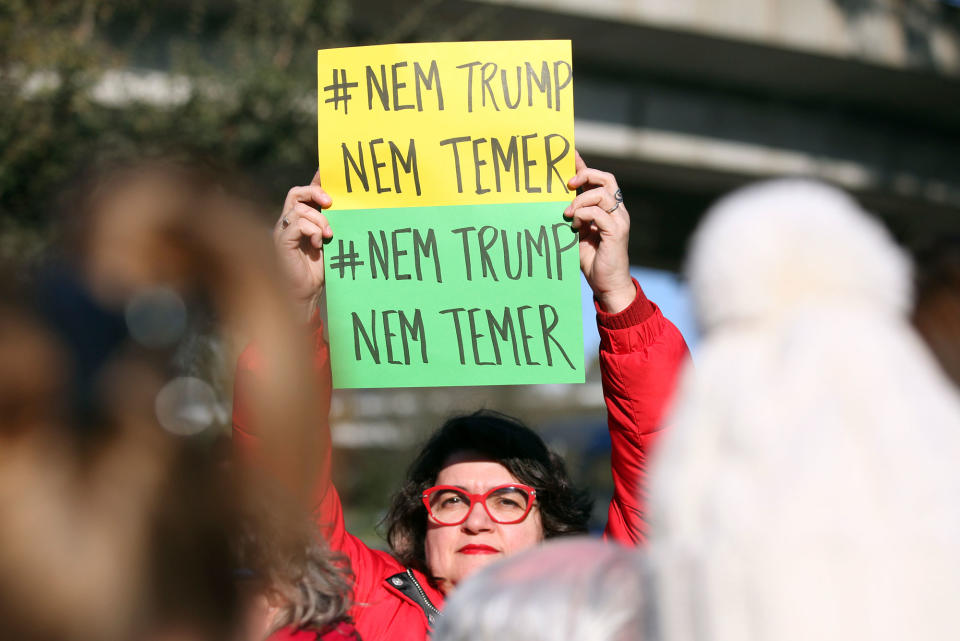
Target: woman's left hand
{"x": 604, "y": 225}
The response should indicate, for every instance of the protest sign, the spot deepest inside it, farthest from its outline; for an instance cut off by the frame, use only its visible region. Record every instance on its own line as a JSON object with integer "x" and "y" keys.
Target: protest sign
{"x": 450, "y": 263}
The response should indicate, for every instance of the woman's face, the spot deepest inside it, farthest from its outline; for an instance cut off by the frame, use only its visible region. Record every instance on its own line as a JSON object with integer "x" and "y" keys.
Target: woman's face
{"x": 454, "y": 551}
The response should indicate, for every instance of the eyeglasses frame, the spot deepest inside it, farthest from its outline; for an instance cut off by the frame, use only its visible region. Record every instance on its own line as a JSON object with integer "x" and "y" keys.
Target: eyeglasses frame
{"x": 482, "y": 498}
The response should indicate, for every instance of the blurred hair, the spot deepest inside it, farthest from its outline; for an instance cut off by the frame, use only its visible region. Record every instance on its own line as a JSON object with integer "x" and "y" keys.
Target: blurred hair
{"x": 808, "y": 487}
{"x": 578, "y": 589}
{"x": 129, "y": 534}
{"x": 308, "y": 582}
{"x": 936, "y": 314}
{"x": 564, "y": 508}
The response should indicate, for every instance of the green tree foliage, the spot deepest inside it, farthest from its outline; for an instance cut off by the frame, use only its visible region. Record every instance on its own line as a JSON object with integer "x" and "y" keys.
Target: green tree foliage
{"x": 237, "y": 80}
{"x": 230, "y": 80}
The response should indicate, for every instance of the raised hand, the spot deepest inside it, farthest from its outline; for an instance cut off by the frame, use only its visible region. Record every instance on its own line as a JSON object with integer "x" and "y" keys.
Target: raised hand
{"x": 299, "y": 236}
{"x": 604, "y": 226}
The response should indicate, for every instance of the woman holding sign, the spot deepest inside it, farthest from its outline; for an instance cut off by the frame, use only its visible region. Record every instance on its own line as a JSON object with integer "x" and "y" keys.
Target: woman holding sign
{"x": 485, "y": 486}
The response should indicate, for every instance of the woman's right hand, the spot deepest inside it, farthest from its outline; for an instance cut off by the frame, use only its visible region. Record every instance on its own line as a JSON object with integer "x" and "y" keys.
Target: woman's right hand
{"x": 299, "y": 236}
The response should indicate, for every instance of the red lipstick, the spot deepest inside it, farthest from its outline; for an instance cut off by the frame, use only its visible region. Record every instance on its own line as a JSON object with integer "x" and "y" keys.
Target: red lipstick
{"x": 473, "y": 548}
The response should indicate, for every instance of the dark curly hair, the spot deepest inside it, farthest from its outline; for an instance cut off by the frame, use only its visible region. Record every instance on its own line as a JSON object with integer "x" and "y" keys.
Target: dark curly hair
{"x": 564, "y": 508}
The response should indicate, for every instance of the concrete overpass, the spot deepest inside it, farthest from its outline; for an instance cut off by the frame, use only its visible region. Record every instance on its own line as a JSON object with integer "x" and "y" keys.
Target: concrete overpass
{"x": 685, "y": 99}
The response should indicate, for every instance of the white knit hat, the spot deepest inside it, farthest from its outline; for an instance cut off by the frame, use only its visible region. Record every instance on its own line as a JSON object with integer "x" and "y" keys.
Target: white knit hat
{"x": 809, "y": 488}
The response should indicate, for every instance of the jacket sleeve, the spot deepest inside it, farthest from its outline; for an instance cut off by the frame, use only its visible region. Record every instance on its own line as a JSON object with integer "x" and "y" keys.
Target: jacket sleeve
{"x": 327, "y": 509}
{"x": 641, "y": 354}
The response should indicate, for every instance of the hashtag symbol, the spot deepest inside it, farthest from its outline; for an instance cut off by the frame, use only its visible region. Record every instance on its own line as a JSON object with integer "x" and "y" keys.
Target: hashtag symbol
{"x": 340, "y": 89}
{"x": 343, "y": 260}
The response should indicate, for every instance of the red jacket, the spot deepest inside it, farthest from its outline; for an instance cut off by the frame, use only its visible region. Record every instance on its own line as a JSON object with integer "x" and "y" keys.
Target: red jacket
{"x": 640, "y": 356}
{"x": 342, "y": 631}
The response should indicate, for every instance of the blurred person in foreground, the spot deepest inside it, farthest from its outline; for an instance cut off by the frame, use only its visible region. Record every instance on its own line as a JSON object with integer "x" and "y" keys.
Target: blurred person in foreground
{"x": 809, "y": 488}
{"x": 485, "y": 486}
{"x": 115, "y": 523}
{"x": 936, "y": 314}
{"x": 575, "y": 589}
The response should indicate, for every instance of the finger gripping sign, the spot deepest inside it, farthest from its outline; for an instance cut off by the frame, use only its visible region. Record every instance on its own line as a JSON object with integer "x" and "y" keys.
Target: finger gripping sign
{"x": 451, "y": 263}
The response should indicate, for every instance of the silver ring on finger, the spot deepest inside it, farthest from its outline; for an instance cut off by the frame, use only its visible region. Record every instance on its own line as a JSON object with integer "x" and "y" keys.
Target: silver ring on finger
{"x": 284, "y": 223}
{"x": 618, "y": 197}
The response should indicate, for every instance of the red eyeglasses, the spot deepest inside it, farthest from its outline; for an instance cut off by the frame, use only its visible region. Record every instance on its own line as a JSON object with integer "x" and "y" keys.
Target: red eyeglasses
{"x": 505, "y": 504}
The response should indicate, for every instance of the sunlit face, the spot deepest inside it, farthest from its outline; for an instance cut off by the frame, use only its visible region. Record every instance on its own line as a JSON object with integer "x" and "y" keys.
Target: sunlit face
{"x": 454, "y": 551}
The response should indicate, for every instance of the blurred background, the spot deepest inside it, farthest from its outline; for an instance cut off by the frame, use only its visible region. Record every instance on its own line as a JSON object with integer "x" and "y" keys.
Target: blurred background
{"x": 682, "y": 99}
